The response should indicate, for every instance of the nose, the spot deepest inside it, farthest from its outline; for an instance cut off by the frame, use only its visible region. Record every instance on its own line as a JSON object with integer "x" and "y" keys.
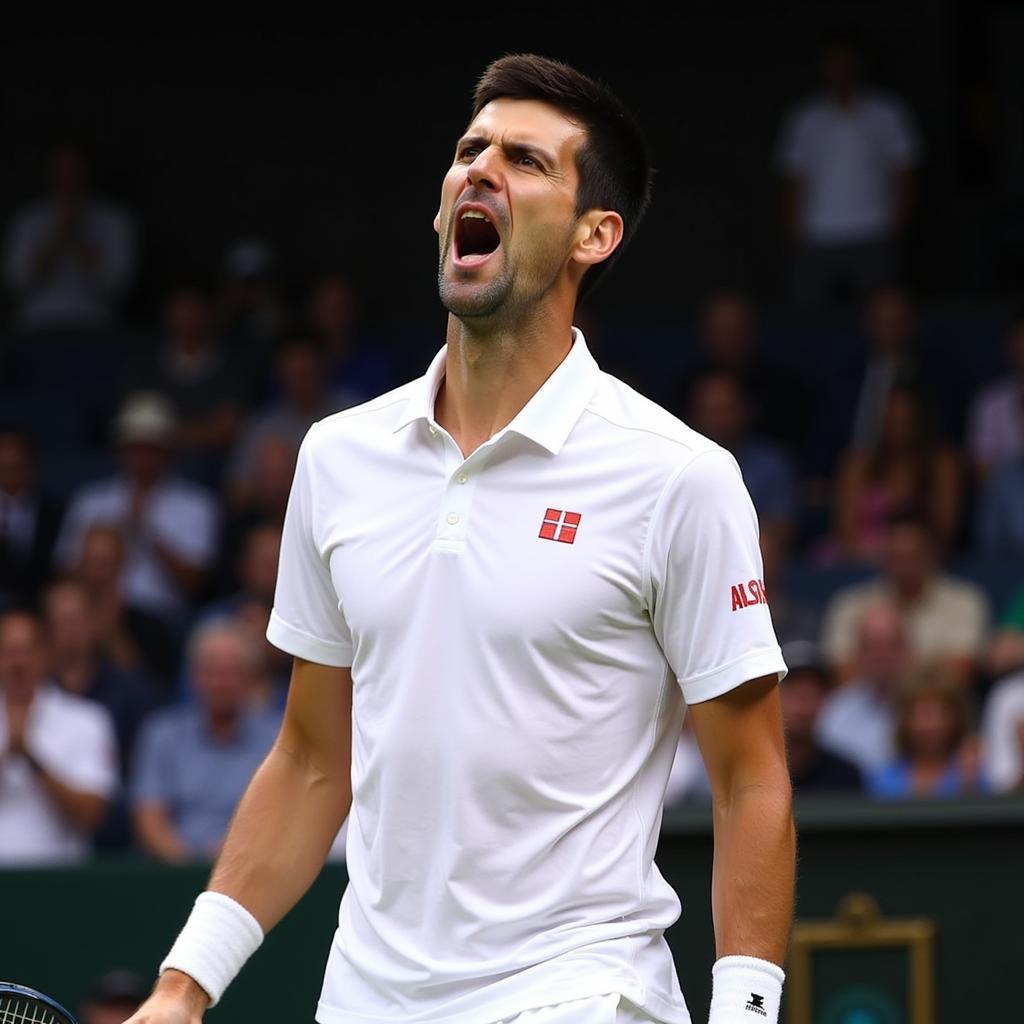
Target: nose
{"x": 484, "y": 172}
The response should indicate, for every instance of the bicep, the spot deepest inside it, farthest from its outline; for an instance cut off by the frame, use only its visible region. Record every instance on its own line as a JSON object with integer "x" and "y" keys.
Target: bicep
{"x": 317, "y": 724}
{"x": 740, "y": 735}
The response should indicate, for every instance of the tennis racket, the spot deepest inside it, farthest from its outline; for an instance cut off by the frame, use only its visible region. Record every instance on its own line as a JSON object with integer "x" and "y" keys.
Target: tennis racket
{"x": 21, "y": 1005}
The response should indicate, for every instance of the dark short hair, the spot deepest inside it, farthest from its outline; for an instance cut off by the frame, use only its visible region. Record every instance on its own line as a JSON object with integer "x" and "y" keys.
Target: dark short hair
{"x": 613, "y": 164}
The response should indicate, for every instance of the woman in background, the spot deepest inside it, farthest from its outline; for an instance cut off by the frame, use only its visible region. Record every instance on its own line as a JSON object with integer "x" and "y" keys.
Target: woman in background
{"x": 908, "y": 468}
{"x": 937, "y": 751}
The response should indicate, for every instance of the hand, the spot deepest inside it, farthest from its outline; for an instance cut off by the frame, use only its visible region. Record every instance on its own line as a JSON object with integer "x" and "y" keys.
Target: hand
{"x": 177, "y": 999}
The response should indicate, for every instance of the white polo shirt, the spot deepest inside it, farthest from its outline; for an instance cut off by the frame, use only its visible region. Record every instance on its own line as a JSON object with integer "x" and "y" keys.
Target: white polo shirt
{"x": 846, "y": 158}
{"x": 73, "y": 738}
{"x": 522, "y": 626}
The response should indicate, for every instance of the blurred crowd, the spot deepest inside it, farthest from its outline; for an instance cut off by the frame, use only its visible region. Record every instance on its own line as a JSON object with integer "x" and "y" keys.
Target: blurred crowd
{"x": 145, "y": 467}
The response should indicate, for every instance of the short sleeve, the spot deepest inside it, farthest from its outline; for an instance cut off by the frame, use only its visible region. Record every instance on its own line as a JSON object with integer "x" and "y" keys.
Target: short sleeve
{"x": 83, "y": 753}
{"x": 307, "y": 620}
{"x": 902, "y": 145}
{"x": 705, "y": 590}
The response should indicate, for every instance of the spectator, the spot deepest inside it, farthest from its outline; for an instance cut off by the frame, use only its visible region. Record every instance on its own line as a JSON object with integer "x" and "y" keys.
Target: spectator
{"x": 847, "y": 157}
{"x": 330, "y": 313}
{"x": 194, "y": 762}
{"x": 168, "y": 525}
{"x": 906, "y": 468}
{"x": 812, "y": 766}
{"x": 69, "y": 258}
{"x": 935, "y": 751}
{"x": 894, "y": 358}
{"x": 79, "y": 666}
{"x": 999, "y": 526}
{"x": 719, "y": 410}
{"x": 99, "y": 570}
{"x": 250, "y": 604}
{"x": 792, "y": 617}
{"x": 306, "y": 396}
{"x": 114, "y": 998}
{"x": 29, "y": 521}
{"x": 858, "y": 719}
{"x": 1006, "y": 654}
{"x": 946, "y": 619}
{"x": 1002, "y": 733}
{"x": 250, "y": 311}
{"x": 729, "y": 344}
{"x": 58, "y": 768}
{"x": 192, "y": 368}
{"x": 996, "y": 417}
{"x": 261, "y": 497}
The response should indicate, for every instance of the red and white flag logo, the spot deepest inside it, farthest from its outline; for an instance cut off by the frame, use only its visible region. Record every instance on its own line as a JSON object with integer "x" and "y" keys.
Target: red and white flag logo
{"x": 559, "y": 525}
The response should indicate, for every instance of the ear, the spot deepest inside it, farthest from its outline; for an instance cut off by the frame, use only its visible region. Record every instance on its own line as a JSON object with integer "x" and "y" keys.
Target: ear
{"x": 598, "y": 235}
{"x": 437, "y": 222}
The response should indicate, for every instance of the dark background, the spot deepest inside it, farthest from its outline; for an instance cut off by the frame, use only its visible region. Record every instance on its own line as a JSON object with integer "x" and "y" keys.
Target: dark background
{"x": 331, "y": 142}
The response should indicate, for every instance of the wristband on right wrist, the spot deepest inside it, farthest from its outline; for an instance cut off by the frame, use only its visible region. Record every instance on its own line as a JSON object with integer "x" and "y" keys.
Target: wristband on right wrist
{"x": 218, "y": 937}
{"x": 745, "y": 990}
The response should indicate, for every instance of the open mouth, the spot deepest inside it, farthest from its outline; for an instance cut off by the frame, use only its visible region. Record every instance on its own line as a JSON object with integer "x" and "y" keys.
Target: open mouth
{"x": 476, "y": 237}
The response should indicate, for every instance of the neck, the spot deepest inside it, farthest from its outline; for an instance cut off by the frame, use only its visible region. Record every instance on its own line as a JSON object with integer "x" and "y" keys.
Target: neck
{"x": 223, "y": 724}
{"x": 909, "y": 591}
{"x": 74, "y": 669}
{"x": 491, "y": 373}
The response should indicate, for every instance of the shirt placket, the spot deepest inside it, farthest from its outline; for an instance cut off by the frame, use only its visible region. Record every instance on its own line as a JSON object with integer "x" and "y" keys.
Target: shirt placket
{"x": 461, "y": 477}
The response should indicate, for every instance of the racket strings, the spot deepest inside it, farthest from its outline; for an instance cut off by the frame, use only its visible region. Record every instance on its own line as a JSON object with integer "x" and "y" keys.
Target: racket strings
{"x": 16, "y": 1011}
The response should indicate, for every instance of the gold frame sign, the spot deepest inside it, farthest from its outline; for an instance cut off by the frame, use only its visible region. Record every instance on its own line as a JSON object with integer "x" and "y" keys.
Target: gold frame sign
{"x": 859, "y": 926}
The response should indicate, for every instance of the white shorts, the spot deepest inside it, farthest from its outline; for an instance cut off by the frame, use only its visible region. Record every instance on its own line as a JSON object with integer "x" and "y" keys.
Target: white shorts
{"x": 610, "y": 1008}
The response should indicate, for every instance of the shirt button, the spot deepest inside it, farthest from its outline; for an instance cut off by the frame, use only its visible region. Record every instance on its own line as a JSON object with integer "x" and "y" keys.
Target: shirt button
{"x": 453, "y": 518}
{"x": 462, "y": 478}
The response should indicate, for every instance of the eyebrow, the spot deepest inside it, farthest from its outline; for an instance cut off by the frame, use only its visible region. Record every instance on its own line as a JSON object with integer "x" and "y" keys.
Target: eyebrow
{"x": 510, "y": 146}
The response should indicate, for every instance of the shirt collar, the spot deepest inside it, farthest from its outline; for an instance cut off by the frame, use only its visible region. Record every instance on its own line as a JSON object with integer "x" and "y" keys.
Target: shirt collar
{"x": 548, "y": 416}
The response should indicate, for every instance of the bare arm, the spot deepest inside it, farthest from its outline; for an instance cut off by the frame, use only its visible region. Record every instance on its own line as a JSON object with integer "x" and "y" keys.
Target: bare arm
{"x": 741, "y": 741}
{"x": 285, "y": 822}
{"x": 84, "y": 810}
{"x": 156, "y": 833}
{"x": 297, "y": 800}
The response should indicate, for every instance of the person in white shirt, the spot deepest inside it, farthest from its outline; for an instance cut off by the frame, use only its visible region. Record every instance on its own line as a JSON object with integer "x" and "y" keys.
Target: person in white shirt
{"x": 500, "y": 583}
{"x": 69, "y": 258}
{"x": 995, "y": 433}
{"x": 169, "y": 525}
{"x": 858, "y": 719}
{"x": 847, "y": 157}
{"x": 58, "y": 755}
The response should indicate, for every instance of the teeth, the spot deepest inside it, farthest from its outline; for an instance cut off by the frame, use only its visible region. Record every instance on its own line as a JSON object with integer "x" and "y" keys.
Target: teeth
{"x": 473, "y": 213}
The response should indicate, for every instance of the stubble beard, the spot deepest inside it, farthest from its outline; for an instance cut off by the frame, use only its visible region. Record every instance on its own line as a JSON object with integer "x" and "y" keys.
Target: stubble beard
{"x": 467, "y": 301}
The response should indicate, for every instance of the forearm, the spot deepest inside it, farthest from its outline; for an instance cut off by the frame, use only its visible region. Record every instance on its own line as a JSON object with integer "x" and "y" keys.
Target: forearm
{"x": 281, "y": 833}
{"x": 84, "y": 810}
{"x": 157, "y": 834}
{"x": 754, "y": 867}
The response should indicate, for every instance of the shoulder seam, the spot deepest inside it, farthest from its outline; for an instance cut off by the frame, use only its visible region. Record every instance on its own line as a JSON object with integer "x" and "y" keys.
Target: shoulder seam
{"x": 642, "y": 429}
{"x": 363, "y": 409}
{"x": 645, "y": 563}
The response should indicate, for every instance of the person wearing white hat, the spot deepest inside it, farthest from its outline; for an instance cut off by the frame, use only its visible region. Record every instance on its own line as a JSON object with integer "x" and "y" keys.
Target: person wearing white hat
{"x": 169, "y": 525}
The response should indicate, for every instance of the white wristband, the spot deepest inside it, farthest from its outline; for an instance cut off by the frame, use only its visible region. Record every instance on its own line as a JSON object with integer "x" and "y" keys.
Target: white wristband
{"x": 745, "y": 990}
{"x": 218, "y": 937}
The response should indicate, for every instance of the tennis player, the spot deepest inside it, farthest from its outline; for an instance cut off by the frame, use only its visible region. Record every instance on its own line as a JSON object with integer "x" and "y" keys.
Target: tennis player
{"x": 502, "y": 584}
